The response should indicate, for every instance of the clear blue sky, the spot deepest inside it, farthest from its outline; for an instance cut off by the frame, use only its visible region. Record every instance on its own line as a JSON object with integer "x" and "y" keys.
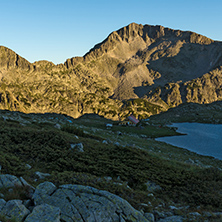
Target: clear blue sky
{"x": 56, "y": 30}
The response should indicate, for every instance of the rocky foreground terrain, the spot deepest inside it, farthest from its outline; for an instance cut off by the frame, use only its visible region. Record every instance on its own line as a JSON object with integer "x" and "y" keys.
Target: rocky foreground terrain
{"x": 138, "y": 69}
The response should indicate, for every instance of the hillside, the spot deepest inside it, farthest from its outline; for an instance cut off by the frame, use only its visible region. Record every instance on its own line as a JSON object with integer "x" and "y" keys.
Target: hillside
{"x": 81, "y": 165}
{"x": 137, "y": 69}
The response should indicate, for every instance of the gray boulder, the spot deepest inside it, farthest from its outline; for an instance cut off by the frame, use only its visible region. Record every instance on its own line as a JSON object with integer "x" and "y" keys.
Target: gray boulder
{"x": 14, "y": 209}
{"x": 78, "y": 147}
{"x": 8, "y": 181}
{"x": 84, "y": 203}
{"x": 44, "y": 213}
{"x": 43, "y": 191}
{"x": 2, "y": 203}
{"x": 41, "y": 175}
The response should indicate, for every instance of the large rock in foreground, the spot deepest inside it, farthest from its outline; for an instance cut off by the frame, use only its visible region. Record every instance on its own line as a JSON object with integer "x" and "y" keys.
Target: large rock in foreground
{"x": 84, "y": 203}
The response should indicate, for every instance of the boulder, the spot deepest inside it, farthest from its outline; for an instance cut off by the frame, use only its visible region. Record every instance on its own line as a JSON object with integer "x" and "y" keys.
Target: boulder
{"x": 8, "y": 181}
{"x": 43, "y": 191}
{"x": 42, "y": 175}
{"x": 78, "y": 147}
{"x": 2, "y": 203}
{"x": 44, "y": 213}
{"x": 14, "y": 209}
{"x": 85, "y": 203}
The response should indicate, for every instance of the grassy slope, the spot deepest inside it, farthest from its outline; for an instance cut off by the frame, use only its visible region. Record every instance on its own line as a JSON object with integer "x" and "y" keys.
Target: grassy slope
{"x": 136, "y": 160}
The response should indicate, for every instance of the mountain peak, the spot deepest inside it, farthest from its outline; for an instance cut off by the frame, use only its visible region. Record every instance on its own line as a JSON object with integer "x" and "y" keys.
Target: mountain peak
{"x": 157, "y": 67}
{"x": 140, "y": 35}
{"x": 10, "y": 59}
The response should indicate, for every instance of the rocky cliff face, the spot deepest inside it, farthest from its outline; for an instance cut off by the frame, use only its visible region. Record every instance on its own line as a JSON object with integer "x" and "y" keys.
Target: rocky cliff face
{"x": 162, "y": 66}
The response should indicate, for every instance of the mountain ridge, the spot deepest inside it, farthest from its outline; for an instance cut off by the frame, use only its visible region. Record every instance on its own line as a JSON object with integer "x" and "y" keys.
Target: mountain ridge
{"x": 160, "y": 66}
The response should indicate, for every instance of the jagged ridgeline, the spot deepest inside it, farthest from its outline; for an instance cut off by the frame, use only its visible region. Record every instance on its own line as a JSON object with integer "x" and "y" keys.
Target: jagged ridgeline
{"x": 138, "y": 69}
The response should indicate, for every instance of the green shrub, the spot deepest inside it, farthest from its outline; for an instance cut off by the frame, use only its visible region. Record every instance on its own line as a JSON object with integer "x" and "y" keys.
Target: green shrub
{"x": 71, "y": 129}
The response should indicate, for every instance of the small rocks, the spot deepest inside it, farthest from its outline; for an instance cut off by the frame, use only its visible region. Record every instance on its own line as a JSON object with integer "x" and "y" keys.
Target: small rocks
{"x": 190, "y": 161}
{"x": 117, "y": 143}
{"x": 143, "y": 136}
{"x": 109, "y": 126}
{"x": 108, "y": 178}
{"x": 150, "y": 195}
{"x": 194, "y": 214}
{"x": 78, "y": 147}
{"x": 159, "y": 215}
{"x": 58, "y": 126}
{"x": 105, "y": 142}
{"x": 42, "y": 175}
{"x": 119, "y": 133}
{"x": 173, "y": 208}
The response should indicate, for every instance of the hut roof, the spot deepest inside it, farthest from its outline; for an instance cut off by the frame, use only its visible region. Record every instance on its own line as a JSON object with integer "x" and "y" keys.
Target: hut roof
{"x": 133, "y": 119}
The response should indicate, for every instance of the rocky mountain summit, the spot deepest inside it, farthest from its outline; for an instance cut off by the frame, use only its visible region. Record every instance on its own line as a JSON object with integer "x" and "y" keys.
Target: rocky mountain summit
{"x": 140, "y": 69}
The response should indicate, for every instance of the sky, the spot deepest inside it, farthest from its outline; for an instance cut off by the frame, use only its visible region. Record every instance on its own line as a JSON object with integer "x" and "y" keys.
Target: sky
{"x": 56, "y": 30}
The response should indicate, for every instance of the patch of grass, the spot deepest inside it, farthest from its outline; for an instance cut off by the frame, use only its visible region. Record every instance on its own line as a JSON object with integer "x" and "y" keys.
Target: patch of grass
{"x": 73, "y": 130}
{"x": 4, "y": 219}
{"x": 16, "y": 193}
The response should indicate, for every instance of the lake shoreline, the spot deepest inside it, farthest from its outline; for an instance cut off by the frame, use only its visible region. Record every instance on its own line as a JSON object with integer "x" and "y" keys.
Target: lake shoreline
{"x": 202, "y": 138}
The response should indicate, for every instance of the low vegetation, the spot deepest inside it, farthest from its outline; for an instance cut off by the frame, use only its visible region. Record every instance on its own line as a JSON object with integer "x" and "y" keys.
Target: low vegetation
{"x": 129, "y": 165}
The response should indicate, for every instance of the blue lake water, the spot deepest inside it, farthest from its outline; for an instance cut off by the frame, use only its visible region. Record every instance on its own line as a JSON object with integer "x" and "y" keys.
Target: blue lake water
{"x": 204, "y": 139}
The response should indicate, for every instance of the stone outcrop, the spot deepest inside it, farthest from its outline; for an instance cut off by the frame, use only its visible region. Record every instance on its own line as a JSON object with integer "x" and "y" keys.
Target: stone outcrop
{"x": 70, "y": 203}
{"x": 83, "y": 203}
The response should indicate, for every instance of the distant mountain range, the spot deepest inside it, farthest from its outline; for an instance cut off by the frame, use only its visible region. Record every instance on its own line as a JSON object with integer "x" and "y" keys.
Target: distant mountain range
{"x": 137, "y": 69}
